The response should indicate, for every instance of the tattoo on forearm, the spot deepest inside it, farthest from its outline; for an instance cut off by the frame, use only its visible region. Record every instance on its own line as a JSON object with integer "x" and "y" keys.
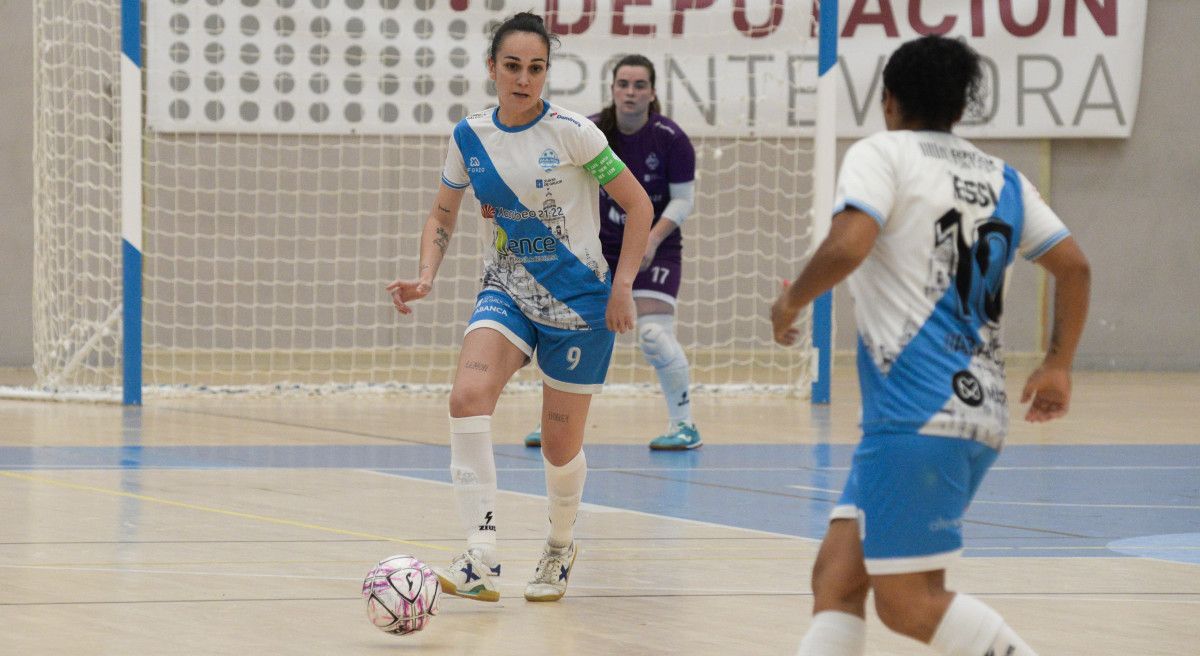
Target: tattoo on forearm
{"x": 1055, "y": 345}
{"x": 442, "y": 240}
{"x": 554, "y": 416}
{"x": 423, "y": 267}
{"x": 478, "y": 366}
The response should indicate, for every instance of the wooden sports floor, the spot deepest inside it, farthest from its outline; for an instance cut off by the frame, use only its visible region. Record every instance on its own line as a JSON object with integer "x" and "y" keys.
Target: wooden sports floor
{"x": 245, "y": 526}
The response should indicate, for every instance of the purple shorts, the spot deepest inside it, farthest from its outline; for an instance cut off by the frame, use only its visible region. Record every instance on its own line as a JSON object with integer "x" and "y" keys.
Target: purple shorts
{"x": 660, "y": 280}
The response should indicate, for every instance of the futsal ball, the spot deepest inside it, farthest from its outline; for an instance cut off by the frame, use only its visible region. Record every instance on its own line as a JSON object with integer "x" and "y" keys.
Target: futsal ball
{"x": 401, "y": 594}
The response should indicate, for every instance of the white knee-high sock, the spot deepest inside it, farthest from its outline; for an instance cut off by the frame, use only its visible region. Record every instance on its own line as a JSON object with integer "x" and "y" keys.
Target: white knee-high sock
{"x": 473, "y": 471}
{"x": 656, "y": 337}
{"x": 971, "y": 628}
{"x": 834, "y": 633}
{"x": 564, "y": 491}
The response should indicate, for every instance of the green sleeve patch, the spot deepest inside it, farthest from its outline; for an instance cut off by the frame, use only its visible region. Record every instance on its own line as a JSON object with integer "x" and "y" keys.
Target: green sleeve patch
{"x": 605, "y": 166}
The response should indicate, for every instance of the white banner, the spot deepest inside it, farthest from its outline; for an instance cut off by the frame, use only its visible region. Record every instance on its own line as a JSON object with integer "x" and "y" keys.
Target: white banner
{"x": 1054, "y": 68}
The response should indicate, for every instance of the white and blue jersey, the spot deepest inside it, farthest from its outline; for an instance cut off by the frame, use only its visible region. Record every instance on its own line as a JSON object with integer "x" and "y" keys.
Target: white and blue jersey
{"x": 928, "y": 301}
{"x": 540, "y": 183}
{"x": 929, "y": 297}
{"x": 545, "y": 281}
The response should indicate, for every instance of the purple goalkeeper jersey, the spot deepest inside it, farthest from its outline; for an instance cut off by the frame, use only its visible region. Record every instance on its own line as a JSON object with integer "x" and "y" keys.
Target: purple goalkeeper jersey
{"x": 659, "y": 154}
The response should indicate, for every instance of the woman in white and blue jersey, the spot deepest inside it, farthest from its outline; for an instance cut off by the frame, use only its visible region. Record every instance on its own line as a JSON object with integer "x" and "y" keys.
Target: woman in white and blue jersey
{"x": 547, "y": 291}
{"x": 925, "y": 226}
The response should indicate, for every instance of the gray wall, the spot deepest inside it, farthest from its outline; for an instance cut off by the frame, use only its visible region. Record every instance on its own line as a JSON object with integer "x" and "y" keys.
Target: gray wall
{"x": 1132, "y": 205}
{"x": 1128, "y": 202}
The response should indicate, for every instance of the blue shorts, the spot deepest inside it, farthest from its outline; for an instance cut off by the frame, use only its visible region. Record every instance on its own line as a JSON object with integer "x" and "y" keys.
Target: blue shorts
{"x": 908, "y": 493}
{"x": 573, "y": 361}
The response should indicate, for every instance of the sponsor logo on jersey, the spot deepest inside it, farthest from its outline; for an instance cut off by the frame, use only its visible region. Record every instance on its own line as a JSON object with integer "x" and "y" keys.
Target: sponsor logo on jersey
{"x": 549, "y": 160}
{"x": 967, "y": 388}
{"x": 652, "y": 161}
{"x": 526, "y": 249}
{"x": 473, "y": 166}
{"x": 513, "y": 215}
{"x": 489, "y": 307}
{"x": 487, "y": 211}
{"x": 501, "y": 244}
{"x": 566, "y": 118}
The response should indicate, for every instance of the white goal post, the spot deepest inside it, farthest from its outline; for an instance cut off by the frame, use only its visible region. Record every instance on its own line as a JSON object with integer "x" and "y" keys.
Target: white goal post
{"x": 224, "y": 187}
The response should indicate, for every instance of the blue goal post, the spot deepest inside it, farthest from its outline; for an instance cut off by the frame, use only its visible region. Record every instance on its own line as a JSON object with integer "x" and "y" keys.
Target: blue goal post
{"x": 824, "y": 174}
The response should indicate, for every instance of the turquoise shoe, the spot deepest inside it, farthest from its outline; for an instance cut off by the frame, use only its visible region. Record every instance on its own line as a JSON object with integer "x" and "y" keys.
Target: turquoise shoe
{"x": 534, "y": 438}
{"x": 685, "y": 437}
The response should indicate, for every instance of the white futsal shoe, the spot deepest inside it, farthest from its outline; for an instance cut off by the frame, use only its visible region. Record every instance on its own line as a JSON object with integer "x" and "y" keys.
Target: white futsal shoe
{"x": 469, "y": 577}
{"x": 553, "y": 570}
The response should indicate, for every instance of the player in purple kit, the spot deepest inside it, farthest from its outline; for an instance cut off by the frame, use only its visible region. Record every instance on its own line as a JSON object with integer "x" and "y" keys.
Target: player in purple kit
{"x": 660, "y": 155}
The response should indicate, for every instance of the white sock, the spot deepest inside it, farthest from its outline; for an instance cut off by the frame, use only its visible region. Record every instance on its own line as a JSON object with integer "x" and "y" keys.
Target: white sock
{"x": 473, "y": 471}
{"x": 971, "y": 628}
{"x": 564, "y": 491}
{"x": 834, "y": 633}
{"x": 656, "y": 337}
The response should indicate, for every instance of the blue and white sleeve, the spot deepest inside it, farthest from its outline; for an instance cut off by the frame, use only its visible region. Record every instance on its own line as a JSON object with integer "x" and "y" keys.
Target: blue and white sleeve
{"x": 1043, "y": 229}
{"x": 454, "y": 173}
{"x": 868, "y": 181}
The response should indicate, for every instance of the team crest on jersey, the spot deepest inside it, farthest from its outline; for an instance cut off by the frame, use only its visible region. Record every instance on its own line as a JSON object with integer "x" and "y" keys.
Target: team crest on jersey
{"x": 549, "y": 160}
{"x": 652, "y": 161}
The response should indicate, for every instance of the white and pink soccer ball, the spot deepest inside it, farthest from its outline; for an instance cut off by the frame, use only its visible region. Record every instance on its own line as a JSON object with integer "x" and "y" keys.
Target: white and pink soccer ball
{"x": 401, "y": 594}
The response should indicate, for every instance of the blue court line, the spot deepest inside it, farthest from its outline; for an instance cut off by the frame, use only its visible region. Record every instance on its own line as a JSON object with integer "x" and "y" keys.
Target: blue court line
{"x": 1038, "y": 501}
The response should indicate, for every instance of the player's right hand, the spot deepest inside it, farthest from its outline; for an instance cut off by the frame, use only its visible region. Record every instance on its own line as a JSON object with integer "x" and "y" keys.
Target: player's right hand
{"x": 1050, "y": 390}
{"x": 621, "y": 314}
{"x": 403, "y": 291}
{"x": 783, "y": 319}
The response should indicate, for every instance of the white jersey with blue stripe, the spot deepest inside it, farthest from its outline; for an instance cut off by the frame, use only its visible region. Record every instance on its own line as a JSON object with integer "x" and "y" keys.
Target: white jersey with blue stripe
{"x": 544, "y": 205}
{"x": 929, "y": 297}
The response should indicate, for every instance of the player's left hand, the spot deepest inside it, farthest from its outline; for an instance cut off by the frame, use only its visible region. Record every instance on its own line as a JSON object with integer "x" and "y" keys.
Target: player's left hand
{"x": 783, "y": 319}
{"x": 621, "y": 313}
{"x": 1050, "y": 390}
{"x": 648, "y": 258}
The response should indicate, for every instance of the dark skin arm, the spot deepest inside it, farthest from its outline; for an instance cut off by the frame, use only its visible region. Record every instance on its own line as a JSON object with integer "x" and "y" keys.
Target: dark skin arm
{"x": 851, "y": 237}
{"x": 1049, "y": 386}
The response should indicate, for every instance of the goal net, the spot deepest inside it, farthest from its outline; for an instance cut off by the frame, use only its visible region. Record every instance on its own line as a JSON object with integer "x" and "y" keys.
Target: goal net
{"x": 289, "y": 151}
